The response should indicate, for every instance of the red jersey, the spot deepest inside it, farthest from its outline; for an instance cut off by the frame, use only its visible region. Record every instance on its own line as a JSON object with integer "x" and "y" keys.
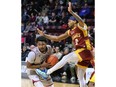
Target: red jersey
{"x": 80, "y": 37}
{"x": 82, "y": 45}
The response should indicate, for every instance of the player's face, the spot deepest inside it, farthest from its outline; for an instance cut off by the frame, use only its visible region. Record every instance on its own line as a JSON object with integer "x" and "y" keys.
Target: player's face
{"x": 70, "y": 23}
{"x": 41, "y": 45}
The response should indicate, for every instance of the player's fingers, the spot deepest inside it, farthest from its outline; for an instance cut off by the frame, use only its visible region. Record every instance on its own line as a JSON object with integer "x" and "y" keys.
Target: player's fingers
{"x": 39, "y": 30}
{"x": 50, "y": 66}
{"x": 48, "y": 63}
{"x": 69, "y": 3}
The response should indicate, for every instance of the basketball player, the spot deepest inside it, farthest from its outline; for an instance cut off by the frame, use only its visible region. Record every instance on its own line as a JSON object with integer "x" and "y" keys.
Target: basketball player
{"x": 82, "y": 56}
{"x": 36, "y": 60}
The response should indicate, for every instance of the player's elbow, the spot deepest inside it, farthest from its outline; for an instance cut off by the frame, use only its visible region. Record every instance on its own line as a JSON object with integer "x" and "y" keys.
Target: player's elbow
{"x": 28, "y": 65}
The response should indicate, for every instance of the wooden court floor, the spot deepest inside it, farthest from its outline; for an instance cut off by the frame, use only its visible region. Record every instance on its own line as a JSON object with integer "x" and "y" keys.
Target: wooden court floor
{"x": 28, "y": 83}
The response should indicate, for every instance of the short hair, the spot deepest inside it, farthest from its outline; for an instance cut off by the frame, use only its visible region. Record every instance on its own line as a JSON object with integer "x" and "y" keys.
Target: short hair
{"x": 41, "y": 38}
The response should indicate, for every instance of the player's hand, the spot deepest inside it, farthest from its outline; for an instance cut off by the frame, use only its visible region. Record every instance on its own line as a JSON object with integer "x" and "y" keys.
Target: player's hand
{"x": 44, "y": 64}
{"x": 69, "y": 7}
{"x": 40, "y": 32}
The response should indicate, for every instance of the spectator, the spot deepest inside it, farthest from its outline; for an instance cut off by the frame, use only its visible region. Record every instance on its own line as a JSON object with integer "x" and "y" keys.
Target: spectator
{"x": 51, "y": 6}
{"x": 45, "y": 8}
{"x": 32, "y": 42}
{"x": 24, "y": 53}
{"x": 45, "y": 19}
{"x": 25, "y": 18}
{"x": 64, "y": 18}
{"x": 53, "y": 19}
{"x": 28, "y": 27}
{"x": 85, "y": 11}
{"x": 39, "y": 19}
{"x": 58, "y": 53}
{"x": 30, "y": 38}
{"x": 32, "y": 18}
{"x": 62, "y": 2}
{"x": 60, "y": 10}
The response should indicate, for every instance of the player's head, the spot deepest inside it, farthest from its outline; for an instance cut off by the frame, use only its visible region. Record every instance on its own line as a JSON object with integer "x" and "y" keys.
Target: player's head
{"x": 71, "y": 22}
{"x": 41, "y": 43}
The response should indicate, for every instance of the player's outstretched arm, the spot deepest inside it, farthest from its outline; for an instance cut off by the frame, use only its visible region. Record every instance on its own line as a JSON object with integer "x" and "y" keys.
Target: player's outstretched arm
{"x": 81, "y": 23}
{"x": 54, "y": 38}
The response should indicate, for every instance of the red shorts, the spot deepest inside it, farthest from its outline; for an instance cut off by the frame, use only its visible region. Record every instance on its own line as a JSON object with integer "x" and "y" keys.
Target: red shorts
{"x": 85, "y": 57}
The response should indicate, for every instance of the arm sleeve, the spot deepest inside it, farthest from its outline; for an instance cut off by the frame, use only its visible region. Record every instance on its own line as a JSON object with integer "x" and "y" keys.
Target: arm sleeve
{"x": 31, "y": 57}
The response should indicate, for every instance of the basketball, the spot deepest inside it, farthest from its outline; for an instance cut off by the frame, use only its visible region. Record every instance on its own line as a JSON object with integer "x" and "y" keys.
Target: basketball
{"x": 52, "y": 59}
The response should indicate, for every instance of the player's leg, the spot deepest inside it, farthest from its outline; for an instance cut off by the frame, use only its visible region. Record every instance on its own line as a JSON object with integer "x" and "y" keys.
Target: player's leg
{"x": 38, "y": 84}
{"x": 71, "y": 57}
{"x": 42, "y": 73}
{"x": 92, "y": 81}
{"x": 36, "y": 81}
{"x": 48, "y": 82}
{"x": 80, "y": 74}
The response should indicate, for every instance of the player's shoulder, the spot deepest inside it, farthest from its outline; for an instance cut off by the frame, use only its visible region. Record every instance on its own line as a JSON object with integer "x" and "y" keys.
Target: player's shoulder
{"x": 34, "y": 49}
{"x": 31, "y": 53}
{"x": 68, "y": 32}
{"x": 80, "y": 27}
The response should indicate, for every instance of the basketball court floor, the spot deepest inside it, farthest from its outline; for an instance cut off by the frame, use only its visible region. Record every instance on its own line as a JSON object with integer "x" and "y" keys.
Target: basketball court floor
{"x": 28, "y": 83}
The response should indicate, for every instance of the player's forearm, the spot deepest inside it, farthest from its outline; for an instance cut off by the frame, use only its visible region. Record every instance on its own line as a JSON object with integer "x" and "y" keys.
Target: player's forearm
{"x": 50, "y": 37}
{"x": 77, "y": 16}
{"x": 33, "y": 66}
